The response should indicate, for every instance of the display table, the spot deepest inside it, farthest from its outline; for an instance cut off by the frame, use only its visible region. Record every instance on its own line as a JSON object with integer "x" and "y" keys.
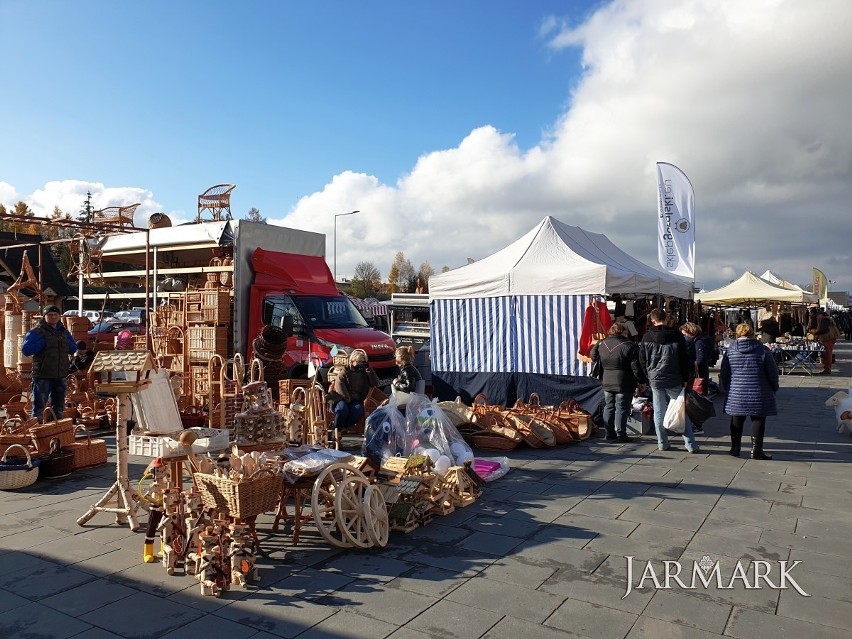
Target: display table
{"x": 797, "y": 356}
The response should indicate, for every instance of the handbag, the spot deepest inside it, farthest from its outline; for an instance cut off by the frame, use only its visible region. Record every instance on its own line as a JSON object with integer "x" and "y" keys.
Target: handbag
{"x": 597, "y": 368}
{"x": 699, "y": 384}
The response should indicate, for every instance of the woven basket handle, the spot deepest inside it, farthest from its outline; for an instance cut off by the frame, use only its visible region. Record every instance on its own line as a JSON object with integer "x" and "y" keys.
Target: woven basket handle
{"x": 26, "y": 452}
{"x": 260, "y": 472}
{"x": 12, "y": 425}
{"x": 480, "y": 400}
{"x": 48, "y": 411}
{"x": 85, "y": 430}
{"x": 535, "y": 400}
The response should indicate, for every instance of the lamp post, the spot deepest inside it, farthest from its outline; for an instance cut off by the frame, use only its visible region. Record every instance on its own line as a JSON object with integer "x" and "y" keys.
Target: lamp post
{"x": 337, "y": 215}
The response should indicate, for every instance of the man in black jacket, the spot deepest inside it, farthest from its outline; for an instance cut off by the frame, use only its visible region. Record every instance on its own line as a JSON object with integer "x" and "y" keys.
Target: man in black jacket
{"x": 665, "y": 360}
{"x": 622, "y": 373}
{"x": 50, "y": 346}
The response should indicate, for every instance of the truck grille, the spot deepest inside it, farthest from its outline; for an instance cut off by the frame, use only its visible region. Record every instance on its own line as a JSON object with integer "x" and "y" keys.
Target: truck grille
{"x": 380, "y": 359}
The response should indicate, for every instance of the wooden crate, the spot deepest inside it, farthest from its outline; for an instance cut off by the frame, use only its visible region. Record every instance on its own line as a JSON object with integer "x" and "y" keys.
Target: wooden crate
{"x": 286, "y": 388}
{"x": 199, "y": 383}
{"x": 206, "y": 341}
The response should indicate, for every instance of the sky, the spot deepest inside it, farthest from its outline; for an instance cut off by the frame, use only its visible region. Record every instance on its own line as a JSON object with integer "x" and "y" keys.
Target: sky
{"x": 453, "y": 127}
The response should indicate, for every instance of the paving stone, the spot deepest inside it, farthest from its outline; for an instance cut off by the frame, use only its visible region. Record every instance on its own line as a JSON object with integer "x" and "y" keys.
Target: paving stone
{"x": 35, "y": 620}
{"x": 158, "y": 617}
{"x": 516, "y": 570}
{"x": 212, "y": 627}
{"x": 512, "y": 628}
{"x": 515, "y": 527}
{"x": 558, "y": 556}
{"x": 9, "y": 600}
{"x": 348, "y": 624}
{"x": 821, "y": 563}
{"x": 641, "y": 549}
{"x": 369, "y": 565}
{"x": 275, "y": 613}
{"x": 591, "y": 620}
{"x": 662, "y": 518}
{"x": 818, "y": 610}
{"x": 312, "y": 584}
{"x": 392, "y": 605}
{"x": 439, "y": 533}
{"x": 651, "y": 628}
{"x": 450, "y": 619}
{"x": 87, "y": 597}
{"x": 606, "y": 588}
{"x": 108, "y": 563}
{"x": 718, "y": 545}
{"x": 430, "y": 581}
{"x": 43, "y": 580}
{"x": 685, "y": 506}
{"x": 827, "y": 545}
{"x": 463, "y": 561}
{"x": 731, "y": 530}
{"x": 683, "y": 609}
{"x": 596, "y": 524}
{"x": 406, "y": 633}
{"x": 33, "y": 537}
{"x": 506, "y": 599}
{"x": 96, "y": 633}
{"x": 660, "y": 534}
{"x": 754, "y": 624}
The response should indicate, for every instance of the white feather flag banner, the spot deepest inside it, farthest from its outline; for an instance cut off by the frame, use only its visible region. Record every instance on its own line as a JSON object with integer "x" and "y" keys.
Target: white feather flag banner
{"x": 675, "y": 221}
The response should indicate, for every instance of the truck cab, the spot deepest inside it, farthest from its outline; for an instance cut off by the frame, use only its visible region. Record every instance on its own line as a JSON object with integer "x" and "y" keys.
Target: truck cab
{"x": 297, "y": 293}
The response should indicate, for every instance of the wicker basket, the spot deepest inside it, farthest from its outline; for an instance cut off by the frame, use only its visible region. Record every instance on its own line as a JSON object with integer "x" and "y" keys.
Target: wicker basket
{"x": 91, "y": 452}
{"x": 57, "y": 463}
{"x": 580, "y": 421}
{"x": 486, "y": 440}
{"x": 16, "y": 473}
{"x": 43, "y": 434}
{"x": 19, "y": 407}
{"x": 257, "y": 494}
{"x": 15, "y": 432}
{"x": 535, "y": 432}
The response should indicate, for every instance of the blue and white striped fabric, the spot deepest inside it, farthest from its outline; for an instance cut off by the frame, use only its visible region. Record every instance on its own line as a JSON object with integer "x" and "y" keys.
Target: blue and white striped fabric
{"x": 524, "y": 334}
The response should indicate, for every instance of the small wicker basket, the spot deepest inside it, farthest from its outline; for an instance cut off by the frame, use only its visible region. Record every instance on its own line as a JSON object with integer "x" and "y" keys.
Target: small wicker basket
{"x": 15, "y": 472}
{"x": 91, "y": 452}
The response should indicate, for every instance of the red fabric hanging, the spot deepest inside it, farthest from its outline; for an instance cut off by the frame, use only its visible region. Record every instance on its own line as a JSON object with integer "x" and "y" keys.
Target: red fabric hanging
{"x": 595, "y": 320}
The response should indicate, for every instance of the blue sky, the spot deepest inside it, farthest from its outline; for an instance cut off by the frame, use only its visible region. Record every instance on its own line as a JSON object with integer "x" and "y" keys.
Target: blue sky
{"x": 453, "y": 126}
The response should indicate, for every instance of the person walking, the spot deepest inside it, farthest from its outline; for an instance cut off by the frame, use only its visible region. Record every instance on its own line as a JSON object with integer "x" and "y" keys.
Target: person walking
{"x": 826, "y": 332}
{"x": 51, "y": 346}
{"x": 750, "y": 374}
{"x": 622, "y": 374}
{"x": 700, "y": 350}
{"x": 665, "y": 362}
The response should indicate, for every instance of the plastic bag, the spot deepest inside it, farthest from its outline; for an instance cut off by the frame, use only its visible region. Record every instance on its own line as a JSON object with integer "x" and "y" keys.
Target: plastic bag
{"x": 384, "y": 433}
{"x": 698, "y": 408}
{"x": 430, "y": 432}
{"x": 491, "y": 469}
{"x": 675, "y": 419}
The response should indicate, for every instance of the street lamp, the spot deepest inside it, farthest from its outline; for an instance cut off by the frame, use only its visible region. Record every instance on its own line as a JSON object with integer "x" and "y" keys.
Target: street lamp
{"x": 337, "y": 215}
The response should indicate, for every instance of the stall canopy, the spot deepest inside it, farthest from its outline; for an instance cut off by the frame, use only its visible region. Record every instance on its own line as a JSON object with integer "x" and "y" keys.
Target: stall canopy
{"x": 772, "y": 278}
{"x": 509, "y": 324}
{"x": 557, "y": 259}
{"x": 751, "y": 290}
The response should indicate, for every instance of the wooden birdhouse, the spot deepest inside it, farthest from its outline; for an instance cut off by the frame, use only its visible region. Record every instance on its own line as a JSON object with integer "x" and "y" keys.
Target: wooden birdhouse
{"x": 114, "y": 372}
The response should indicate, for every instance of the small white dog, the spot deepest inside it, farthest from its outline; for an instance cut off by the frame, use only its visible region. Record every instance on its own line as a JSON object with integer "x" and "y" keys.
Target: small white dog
{"x": 842, "y": 405}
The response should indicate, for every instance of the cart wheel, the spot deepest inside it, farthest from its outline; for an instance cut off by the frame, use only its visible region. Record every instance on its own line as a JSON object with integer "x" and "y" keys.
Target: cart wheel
{"x": 324, "y": 491}
{"x": 349, "y": 507}
{"x": 376, "y": 520}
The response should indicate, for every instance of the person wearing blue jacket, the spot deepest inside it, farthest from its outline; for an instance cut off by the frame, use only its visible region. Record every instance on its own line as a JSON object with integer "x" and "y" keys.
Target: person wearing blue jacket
{"x": 51, "y": 347}
{"x": 750, "y": 374}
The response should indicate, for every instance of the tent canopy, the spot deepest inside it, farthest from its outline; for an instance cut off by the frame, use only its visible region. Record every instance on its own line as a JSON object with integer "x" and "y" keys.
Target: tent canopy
{"x": 556, "y": 259}
{"x": 772, "y": 278}
{"x": 750, "y": 289}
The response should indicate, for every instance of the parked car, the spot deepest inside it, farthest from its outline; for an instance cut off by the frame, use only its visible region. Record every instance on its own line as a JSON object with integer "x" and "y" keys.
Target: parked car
{"x": 122, "y": 316}
{"x": 106, "y": 331}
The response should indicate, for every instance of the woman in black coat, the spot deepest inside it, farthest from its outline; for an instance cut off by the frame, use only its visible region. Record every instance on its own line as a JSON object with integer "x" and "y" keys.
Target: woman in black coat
{"x": 622, "y": 374}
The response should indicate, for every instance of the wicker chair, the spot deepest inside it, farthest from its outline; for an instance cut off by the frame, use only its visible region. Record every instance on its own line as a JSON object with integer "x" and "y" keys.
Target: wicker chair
{"x": 120, "y": 216}
{"x": 216, "y": 200}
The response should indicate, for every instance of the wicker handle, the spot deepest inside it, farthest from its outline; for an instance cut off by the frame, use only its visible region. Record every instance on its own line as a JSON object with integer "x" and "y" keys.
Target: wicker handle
{"x": 260, "y": 472}
{"x": 48, "y": 410}
{"x": 12, "y": 425}
{"x": 299, "y": 392}
{"x": 85, "y": 430}
{"x": 535, "y": 400}
{"x": 480, "y": 400}
{"x": 26, "y": 452}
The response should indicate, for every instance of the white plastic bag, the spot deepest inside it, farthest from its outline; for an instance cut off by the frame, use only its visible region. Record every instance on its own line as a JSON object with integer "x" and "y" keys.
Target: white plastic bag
{"x": 675, "y": 419}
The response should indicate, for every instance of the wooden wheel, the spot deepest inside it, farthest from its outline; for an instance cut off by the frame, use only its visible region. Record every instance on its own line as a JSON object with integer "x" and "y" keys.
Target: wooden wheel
{"x": 323, "y": 493}
{"x": 349, "y": 506}
{"x": 376, "y": 520}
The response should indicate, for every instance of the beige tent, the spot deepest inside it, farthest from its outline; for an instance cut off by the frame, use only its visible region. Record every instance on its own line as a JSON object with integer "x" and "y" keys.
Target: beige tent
{"x": 751, "y": 290}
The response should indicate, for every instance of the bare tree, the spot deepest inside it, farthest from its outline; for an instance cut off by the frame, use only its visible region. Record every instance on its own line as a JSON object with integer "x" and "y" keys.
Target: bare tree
{"x": 366, "y": 281}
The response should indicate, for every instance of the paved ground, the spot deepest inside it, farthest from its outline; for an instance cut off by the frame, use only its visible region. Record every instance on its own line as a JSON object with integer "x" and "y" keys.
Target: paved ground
{"x": 541, "y": 555}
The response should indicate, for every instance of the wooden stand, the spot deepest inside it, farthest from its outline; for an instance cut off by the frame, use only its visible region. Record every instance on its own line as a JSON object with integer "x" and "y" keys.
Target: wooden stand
{"x": 121, "y": 497}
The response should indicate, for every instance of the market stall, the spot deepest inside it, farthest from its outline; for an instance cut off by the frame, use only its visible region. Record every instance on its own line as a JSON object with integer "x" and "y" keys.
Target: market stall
{"x": 509, "y": 325}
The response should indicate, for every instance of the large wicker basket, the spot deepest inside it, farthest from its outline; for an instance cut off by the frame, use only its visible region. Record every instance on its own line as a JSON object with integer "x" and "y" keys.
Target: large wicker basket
{"x": 90, "y": 452}
{"x": 57, "y": 463}
{"x": 17, "y": 473}
{"x": 257, "y": 494}
{"x": 15, "y": 432}
{"x": 44, "y": 433}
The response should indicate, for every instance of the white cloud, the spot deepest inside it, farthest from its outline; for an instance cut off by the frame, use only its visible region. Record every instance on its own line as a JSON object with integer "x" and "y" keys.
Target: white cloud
{"x": 750, "y": 99}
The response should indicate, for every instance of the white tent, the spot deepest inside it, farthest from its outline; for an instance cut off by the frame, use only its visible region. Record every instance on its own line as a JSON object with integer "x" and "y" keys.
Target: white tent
{"x": 772, "y": 278}
{"x": 751, "y": 290}
{"x": 556, "y": 259}
{"x": 509, "y": 324}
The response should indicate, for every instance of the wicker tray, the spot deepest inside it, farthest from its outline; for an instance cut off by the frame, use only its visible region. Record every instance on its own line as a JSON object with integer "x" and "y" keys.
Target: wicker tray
{"x": 248, "y": 498}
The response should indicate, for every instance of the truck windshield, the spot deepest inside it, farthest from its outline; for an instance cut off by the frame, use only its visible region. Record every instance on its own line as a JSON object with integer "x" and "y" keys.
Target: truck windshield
{"x": 316, "y": 311}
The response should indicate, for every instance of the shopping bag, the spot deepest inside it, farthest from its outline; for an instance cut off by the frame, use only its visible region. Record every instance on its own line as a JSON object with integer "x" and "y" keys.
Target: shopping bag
{"x": 698, "y": 408}
{"x": 675, "y": 419}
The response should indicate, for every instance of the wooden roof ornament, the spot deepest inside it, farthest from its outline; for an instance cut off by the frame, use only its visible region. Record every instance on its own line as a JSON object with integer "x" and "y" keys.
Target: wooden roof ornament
{"x": 92, "y": 266}
{"x": 216, "y": 200}
{"x": 14, "y": 296}
{"x": 135, "y": 366}
{"x": 120, "y": 216}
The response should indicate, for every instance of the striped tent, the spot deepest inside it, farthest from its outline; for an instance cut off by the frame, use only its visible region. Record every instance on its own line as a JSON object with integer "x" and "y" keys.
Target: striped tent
{"x": 509, "y": 324}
